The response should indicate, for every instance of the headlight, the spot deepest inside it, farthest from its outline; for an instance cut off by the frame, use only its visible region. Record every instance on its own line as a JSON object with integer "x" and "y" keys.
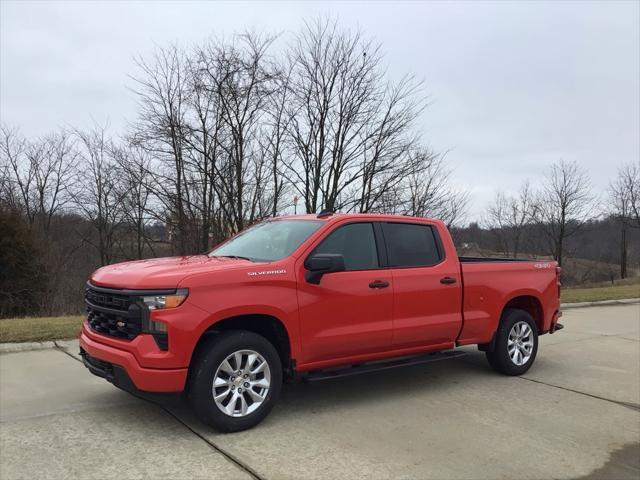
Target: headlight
{"x": 162, "y": 302}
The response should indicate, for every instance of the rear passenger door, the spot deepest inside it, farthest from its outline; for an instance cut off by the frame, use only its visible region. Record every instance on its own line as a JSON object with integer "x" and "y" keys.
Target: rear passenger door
{"x": 427, "y": 288}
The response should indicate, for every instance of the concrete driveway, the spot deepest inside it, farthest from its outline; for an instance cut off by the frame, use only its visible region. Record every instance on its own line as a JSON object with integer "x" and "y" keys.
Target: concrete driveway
{"x": 575, "y": 414}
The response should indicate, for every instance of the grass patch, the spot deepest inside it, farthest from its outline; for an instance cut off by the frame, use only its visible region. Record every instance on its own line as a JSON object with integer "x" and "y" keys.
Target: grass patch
{"x": 40, "y": 329}
{"x": 594, "y": 294}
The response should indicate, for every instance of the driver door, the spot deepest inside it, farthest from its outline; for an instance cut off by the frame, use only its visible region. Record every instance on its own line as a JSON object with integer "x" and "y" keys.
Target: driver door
{"x": 348, "y": 313}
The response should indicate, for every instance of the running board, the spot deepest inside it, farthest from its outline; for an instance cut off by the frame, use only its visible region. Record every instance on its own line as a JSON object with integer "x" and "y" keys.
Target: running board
{"x": 381, "y": 365}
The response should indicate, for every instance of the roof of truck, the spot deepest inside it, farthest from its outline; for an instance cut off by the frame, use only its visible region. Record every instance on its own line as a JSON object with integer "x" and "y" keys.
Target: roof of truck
{"x": 341, "y": 216}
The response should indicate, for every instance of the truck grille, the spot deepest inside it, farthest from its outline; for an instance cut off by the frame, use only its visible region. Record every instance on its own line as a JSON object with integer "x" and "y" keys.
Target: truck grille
{"x": 112, "y": 313}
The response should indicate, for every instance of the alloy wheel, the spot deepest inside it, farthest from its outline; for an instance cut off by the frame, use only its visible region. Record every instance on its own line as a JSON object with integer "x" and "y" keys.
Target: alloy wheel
{"x": 520, "y": 343}
{"x": 241, "y": 383}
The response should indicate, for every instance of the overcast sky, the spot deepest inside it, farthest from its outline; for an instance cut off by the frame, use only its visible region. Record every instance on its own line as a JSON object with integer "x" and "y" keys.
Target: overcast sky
{"x": 513, "y": 86}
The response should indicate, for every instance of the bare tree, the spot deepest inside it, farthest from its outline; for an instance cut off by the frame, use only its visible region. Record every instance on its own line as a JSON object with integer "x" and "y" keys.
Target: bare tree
{"x": 628, "y": 181}
{"x": 12, "y": 150}
{"x": 427, "y": 190}
{"x": 160, "y": 129}
{"x": 389, "y": 143}
{"x": 509, "y": 216}
{"x": 37, "y": 173}
{"x": 497, "y": 219}
{"x": 204, "y": 131}
{"x": 624, "y": 199}
{"x": 337, "y": 102}
{"x": 6, "y": 185}
{"x": 565, "y": 203}
{"x": 351, "y": 131}
{"x": 240, "y": 75}
{"x": 133, "y": 165}
{"x": 273, "y": 140}
{"x": 99, "y": 195}
{"x": 214, "y": 118}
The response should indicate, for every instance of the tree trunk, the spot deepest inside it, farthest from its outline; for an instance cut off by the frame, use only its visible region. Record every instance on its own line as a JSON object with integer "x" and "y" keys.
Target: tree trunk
{"x": 623, "y": 251}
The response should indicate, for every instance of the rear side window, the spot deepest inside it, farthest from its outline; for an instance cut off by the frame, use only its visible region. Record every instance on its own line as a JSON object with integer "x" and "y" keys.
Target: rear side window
{"x": 356, "y": 242}
{"x": 411, "y": 245}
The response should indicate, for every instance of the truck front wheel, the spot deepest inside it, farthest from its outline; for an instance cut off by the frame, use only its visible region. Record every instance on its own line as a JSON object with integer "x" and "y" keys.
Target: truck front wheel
{"x": 516, "y": 343}
{"x": 235, "y": 380}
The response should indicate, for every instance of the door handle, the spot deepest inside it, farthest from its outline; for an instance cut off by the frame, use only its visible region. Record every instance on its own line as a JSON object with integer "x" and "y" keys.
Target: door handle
{"x": 448, "y": 280}
{"x": 378, "y": 284}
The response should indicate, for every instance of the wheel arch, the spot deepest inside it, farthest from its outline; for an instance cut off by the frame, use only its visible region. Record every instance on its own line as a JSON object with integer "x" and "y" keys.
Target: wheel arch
{"x": 268, "y": 326}
{"x": 530, "y": 304}
{"x": 527, "y": 302}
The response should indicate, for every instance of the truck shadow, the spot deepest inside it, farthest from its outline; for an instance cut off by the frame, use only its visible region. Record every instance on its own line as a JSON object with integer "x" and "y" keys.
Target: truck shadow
{"x": 382, "y": 385}
{"x": 356, "y": 393}
{"x": 369, "y": 389}
{"x": 456, "y": 376}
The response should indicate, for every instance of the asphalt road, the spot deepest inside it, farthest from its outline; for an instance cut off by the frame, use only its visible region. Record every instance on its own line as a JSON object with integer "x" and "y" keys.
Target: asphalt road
{"x": 575, "y": 414}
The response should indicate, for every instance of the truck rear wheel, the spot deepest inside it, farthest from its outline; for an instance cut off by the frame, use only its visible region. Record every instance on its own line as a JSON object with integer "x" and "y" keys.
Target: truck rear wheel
{"x": 235, "y": 380}
{"x": 516, "y": 343}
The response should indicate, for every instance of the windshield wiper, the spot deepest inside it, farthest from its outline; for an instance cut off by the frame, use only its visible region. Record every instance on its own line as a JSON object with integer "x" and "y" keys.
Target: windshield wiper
{"x": 233, "y": 256}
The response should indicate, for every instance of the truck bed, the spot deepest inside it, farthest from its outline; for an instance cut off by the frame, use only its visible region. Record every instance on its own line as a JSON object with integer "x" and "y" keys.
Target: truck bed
{"x": 491, "y": 283}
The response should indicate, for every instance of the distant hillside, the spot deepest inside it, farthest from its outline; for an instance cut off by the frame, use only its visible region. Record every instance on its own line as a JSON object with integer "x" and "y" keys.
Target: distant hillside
{"x": 592, "y": 254}
{"x": 575, "y": 271}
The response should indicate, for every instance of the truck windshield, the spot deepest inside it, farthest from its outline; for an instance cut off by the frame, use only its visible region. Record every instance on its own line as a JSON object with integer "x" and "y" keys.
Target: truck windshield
{"x": 268, "y": 241}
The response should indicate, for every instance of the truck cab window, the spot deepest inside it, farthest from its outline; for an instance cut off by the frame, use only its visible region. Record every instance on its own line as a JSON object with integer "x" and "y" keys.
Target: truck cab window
{"x": 410, "y": 245}
{"x": 356, "y": 243}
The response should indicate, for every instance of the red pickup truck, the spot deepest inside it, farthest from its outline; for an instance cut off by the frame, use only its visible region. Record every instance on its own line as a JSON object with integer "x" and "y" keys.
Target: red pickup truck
{"x": 314, "y": 297}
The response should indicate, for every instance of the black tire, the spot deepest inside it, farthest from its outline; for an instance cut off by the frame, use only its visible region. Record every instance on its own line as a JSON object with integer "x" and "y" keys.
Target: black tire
{"x": 499, "y": 358}
{"x": 211, "y": 354}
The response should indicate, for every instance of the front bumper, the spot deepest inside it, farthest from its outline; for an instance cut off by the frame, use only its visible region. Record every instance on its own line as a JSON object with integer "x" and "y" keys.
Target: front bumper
{"x": 112, "y": 373}
{"x": 121, "y": 368}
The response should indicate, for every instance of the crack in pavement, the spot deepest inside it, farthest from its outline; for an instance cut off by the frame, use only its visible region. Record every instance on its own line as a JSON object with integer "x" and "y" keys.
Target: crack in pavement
{"x": 594, "y": 337}
{"x": 64, "y": 350}
{"x": 630, "y": 339}
{"x": 228, "y": 456}
{"x": 632, "y": 406}
{"x": 232, "y": 458}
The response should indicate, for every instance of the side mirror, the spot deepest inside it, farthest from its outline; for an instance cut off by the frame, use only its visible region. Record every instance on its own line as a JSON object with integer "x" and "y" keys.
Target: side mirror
{"x": 320, "y": 263}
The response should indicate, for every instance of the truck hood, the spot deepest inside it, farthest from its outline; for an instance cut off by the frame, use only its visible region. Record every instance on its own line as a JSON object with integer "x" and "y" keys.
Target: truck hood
{"x": 161, "y": 273}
